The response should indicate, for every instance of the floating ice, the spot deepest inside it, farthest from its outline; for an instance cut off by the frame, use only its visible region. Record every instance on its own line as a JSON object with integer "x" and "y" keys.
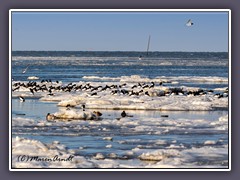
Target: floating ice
{"x": 99, "y": 156}
{"x": 209, "y": 142}
{"x": 18, "y": 121}
{"x": 23, "y": 149}
{"x": 152, "y": 157}
{"x": 33, "y": 78}
{"x": 109, "y": 146}
{"x": 75, "y": 115}
{"x": 138, "y": 93}
{"x": 164, "y": 158}
{"x": 108, "y": 138}
{"x": 224, "y": 118}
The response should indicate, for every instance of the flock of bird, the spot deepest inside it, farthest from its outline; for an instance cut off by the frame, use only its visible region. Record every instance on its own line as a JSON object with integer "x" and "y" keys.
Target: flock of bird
{"x": 50, "y": 87}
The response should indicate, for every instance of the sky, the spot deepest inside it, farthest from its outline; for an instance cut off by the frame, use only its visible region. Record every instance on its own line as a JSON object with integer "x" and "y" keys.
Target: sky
{"x": 120, "y": 31}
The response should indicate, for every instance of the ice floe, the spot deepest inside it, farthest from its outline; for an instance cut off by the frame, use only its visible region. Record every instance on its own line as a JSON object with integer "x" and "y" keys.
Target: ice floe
{"x": 70, "y": 114}
{"x": 127, "y": 93}
{"x": 138, "y": 93}
{"x": 27, "y": 153}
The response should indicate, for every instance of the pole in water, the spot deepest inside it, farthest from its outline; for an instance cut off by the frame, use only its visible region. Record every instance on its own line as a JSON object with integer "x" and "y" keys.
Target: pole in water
{"x": 149, "y": 38}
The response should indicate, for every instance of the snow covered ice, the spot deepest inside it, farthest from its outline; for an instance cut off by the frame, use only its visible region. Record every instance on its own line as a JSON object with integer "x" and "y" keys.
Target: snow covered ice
{"x": 176, "y": 111}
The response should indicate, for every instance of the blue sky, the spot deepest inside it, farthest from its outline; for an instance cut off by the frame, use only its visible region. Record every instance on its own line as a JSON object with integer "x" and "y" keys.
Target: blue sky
{"x": 120, "y": 31}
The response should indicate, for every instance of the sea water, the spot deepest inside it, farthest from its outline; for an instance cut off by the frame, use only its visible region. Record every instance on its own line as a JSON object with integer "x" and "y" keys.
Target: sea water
{"x": 181, "y": 130}
{"x": 77, "y": 66}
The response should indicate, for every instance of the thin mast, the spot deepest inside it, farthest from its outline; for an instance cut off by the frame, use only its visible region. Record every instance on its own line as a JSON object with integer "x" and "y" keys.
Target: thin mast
{"x": 149, "y": 38}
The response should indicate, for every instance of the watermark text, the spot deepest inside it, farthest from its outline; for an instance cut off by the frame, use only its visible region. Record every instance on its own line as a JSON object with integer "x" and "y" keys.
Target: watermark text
{"x": 56, "y": 158}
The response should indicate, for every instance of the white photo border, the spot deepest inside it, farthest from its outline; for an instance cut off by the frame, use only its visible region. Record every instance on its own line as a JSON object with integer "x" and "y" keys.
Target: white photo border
{"x": 108, "y": 11}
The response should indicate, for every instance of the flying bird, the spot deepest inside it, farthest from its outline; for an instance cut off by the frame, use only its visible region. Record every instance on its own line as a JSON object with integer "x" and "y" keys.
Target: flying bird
{"x": 189, "y": 23}
{"x": 25, "y": 70}
{"x": 21, "y": 99}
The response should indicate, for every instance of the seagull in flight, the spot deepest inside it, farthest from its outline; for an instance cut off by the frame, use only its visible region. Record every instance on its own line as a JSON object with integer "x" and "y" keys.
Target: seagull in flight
{"x": 25, "y": 70}
{"x": 21, "y": 99}
{"x": 189, "y": 23}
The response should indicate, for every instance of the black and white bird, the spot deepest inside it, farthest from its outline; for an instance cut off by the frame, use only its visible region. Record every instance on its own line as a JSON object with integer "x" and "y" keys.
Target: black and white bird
{"x": 97, "y": 113}
{"x": 25, "y": 70}
{"x": 83, "y": 107}
{"x": 32, "y": 91}
{"x": 50, "y": 117}
{"x": 189, "y": 23}
{"x": 21, "y": 99}
{"x": 123, "y": 114}
{"x": 68, "y": 107}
